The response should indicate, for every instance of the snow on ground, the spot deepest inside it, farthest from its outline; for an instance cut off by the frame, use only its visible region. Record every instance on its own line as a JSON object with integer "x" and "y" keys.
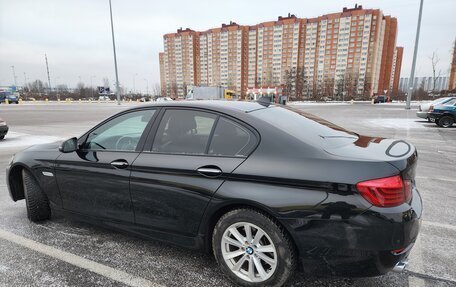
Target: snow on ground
{"x": 396, "y": 123}
{"x": 14, "y": 139}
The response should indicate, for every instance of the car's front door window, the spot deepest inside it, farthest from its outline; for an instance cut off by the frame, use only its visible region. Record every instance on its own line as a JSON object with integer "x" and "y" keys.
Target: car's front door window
{"x": 121, "y": 133}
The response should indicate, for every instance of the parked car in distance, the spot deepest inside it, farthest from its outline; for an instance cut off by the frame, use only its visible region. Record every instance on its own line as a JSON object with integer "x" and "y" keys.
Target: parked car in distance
{"x": 266, "y": 188}
{"x": 12, "y": 98}
{"x": 423, "y": 109}
{"x": 381, "y": 99}
{"x": 145, "y": 99}
{"x": 3, "y": 129}
{"x": 444, "y": 114}
{"x": 163, "y": 99}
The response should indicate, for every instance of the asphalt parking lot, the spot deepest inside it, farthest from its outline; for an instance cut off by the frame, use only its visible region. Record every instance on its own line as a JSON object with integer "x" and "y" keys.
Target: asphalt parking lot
{"x": 61, "y": 252}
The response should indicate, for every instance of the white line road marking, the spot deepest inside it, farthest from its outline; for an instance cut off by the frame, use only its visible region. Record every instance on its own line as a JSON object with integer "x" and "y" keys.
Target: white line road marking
{"x": 106, "y": 271}
{"x": 441, "y": 225}
{"x": 436, "y": 178}
{"x": 416, "y": 264}
{"x": 416, "y": 282}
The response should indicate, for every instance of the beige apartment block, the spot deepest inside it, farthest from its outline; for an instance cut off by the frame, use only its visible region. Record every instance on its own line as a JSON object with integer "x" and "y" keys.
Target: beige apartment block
{"x": 347, "y": 54}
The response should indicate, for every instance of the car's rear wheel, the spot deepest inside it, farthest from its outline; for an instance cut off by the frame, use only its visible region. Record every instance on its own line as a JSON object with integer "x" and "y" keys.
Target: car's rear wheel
{"x": 2, "y": 137}
{"x": 446, "y": 121}
{"x": 253, "y": 250}
{"x": 36, "y": 200}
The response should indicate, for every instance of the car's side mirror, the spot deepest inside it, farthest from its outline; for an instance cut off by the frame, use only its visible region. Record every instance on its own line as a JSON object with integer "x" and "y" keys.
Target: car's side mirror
{"x": 70, "y": 145}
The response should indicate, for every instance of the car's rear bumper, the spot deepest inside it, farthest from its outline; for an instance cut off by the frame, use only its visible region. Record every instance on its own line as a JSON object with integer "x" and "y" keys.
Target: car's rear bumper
{"x": 367, "y": 244}
{"x": 3, "y": 130}
{"x": 434, "y": 115}
{"x": 422, "y": 115}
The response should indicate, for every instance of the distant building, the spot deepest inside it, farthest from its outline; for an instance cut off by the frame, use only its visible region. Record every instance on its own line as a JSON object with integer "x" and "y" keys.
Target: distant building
{"x": 396, "y": 70}
{"x": 452, "y": 80}
{"x": 427, "y": 82}
{"x": 354, "y": 49}
{"x": 161, "y": 60}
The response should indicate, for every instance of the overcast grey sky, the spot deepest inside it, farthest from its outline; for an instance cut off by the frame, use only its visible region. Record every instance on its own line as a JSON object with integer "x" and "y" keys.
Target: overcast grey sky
{"x": 75, "y": 34}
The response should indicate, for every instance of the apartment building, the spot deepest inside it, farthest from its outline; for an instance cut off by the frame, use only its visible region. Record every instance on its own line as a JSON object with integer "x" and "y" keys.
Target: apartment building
{"x": 347, "y": 53}
{"x": 180, "y": 61}
{"x": 452, "y": 80}
{"x": 396, "y": 70}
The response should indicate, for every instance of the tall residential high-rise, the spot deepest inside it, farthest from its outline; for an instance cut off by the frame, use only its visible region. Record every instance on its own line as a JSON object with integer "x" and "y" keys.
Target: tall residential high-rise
{"x": 452, "y": 81}
{"x": 349, "y": 53}
{"x": 396, "y": 70}
{"x": 161, "y": 60}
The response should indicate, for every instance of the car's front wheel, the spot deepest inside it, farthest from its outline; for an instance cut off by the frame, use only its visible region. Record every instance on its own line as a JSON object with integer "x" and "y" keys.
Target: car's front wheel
{"x": 446, "y": 121}
{"x": 36, "y": 200}
{"x": 253, "y": 250}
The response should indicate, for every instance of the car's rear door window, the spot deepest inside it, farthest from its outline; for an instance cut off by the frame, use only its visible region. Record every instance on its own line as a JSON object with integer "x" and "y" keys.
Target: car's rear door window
{"x": 184, "y": 131}
{"x": 230, "y": 139}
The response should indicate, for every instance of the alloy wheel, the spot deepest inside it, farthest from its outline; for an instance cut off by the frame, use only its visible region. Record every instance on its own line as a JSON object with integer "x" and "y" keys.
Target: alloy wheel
{"x": 249, "y": 252}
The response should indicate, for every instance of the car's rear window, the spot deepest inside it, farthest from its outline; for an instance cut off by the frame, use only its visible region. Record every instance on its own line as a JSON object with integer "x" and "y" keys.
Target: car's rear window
{"x": 304, "y": 126}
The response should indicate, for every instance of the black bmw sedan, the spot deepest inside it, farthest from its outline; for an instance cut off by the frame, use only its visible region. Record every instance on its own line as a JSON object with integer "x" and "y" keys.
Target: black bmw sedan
{"x": 267, "y": 189}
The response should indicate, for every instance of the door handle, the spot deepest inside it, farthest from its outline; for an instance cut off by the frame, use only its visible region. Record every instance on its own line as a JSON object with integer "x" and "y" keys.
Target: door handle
{"x": 209, "y": 171}
{"x": 120, "y": 163}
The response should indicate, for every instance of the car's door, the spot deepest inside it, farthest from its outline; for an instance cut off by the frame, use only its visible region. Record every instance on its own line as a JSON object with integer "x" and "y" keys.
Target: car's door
{"x": 94, "y": 180}
{"x": 191, "y": 154}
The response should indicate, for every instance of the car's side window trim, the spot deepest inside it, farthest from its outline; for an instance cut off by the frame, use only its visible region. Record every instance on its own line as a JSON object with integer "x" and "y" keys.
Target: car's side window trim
{"x": 82, "y": 140}
{"x": 153, "y": 132}
{"x": 214, "y": 126}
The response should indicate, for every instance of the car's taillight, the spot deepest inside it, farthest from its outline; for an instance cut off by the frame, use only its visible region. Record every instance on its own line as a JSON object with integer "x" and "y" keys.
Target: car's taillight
{"x": 431, "y": 108}
{"x": 386, "y": 192}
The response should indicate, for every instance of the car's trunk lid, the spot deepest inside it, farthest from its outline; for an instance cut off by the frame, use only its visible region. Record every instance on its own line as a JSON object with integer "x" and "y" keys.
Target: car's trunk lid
{"x": 398, "y": 153}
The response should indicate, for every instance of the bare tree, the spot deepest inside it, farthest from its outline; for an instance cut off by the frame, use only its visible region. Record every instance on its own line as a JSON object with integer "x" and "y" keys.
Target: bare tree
{"x": 105, "y": 82}
{"x": 301, "y": 82}
{"x": 156, "y": 90}
{"x": 420, "y": 93}
{"x": 289, "y": 79}
{"x": 173, "y": 90}
{"x": 435, "y": 75}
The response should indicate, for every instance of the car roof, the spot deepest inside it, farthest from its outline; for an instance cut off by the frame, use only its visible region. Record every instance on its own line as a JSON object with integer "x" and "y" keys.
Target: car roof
{"x": 219, "y": 105}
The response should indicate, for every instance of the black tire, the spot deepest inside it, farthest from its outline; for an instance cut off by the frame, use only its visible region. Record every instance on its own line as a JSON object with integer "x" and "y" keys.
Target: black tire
{"x": 2, "y": 137}
{"x": 285, "y": 249}
{"x": 446, "y": 121}
{"x": 36, "y": 200}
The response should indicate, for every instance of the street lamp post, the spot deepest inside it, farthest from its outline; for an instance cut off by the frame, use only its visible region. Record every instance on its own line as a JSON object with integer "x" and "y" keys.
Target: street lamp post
{"x": 91, "y": 84}
{"x": 415, "y": 52}
{"x": 115, "y": 57}
{"x": 14, "y": 76}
